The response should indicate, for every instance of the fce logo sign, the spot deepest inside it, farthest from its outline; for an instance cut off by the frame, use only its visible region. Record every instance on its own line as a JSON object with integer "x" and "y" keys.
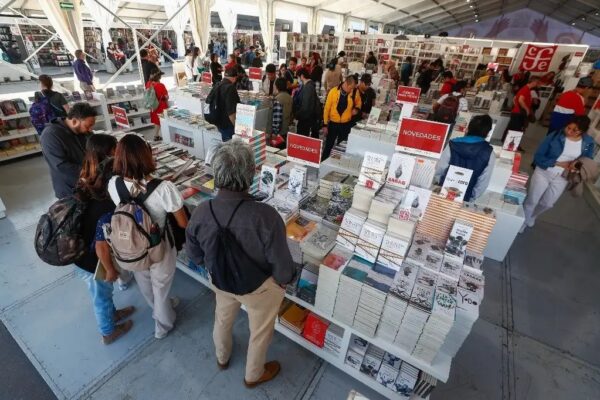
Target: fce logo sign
{"x": 538, "y": 58}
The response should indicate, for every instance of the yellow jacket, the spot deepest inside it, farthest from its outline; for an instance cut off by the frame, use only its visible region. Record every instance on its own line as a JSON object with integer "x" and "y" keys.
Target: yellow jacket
{"x": 330, "y": 112}
{"x": 482, "y": 81}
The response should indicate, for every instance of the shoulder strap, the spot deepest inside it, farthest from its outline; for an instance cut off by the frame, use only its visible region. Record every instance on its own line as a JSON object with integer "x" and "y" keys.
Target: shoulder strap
{"x": 123, "y": 192}
{"x": 150, "y": 187}
{"x": 230, "y": 218}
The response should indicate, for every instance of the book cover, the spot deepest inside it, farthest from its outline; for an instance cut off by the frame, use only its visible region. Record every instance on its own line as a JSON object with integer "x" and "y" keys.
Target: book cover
{"x": 315, "y": 329}
{"x": 512, "y": 140}
{"x": 372, "y": 170}
{"x": 341, "y": 201}
{"x": 459, "y": 239}
{"x": 420, "y": 201}
{"x": 401, "y": 170}
{"x": 268, "y": 178}
{"x": 244, "y": 119}
{"x": 297, "y": 180}
{"x": 423, "y": 173}
{"x": 456, "y": 183}
{"x": 374, "y": 116}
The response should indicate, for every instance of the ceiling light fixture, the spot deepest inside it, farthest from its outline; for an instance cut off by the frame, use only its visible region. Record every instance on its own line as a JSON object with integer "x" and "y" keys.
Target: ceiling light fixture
{"x": 573, "y": 23}
{"x": 471, "y": 6}
{"x": 476, "y": 20}
{"x": 583, "y": 18}
{"x": 468, "y": 1}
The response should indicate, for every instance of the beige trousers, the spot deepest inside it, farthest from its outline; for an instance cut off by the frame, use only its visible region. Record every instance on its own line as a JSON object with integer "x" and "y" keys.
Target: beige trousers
{"x": 155, "y": 285}
{"x": 262, "y": 306}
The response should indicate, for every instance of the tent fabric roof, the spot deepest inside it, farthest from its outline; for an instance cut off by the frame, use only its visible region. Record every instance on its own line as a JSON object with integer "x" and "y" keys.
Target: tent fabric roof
{"x": 422, "y": 16}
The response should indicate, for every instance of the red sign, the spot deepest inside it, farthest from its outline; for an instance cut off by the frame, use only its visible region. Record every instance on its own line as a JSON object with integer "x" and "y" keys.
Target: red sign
{"x": 120, "y": 115}
{"x": 356, "y": 40}
{"x": 407, "y": 94}
{"x": 379, "y": 41}
{"x": 538, "y": 58}
{"x": 304, "y": 150}
{"x": 421, "y": 137}
{"x": 206, "y": 77}
{"x": 579, "y": 54}
{"x": 385, "y": 57}
{"x": 255, "y": 74}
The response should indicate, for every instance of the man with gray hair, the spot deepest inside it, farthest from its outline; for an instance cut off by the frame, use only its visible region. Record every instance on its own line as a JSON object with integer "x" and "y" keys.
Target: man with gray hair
{"x": 258, "y": 238}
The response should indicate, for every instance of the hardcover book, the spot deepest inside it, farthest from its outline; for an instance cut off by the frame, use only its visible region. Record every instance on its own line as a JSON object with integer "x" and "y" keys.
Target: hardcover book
{"x": 401, "y": 169}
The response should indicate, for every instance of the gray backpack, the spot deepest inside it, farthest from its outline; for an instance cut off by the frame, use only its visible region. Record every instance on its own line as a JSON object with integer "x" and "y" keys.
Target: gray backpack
{"x": 136, "y": 241}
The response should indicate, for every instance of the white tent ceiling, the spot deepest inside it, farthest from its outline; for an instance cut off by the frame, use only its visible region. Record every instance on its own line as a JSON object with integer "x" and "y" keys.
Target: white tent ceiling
{"x": 425, "y": 16}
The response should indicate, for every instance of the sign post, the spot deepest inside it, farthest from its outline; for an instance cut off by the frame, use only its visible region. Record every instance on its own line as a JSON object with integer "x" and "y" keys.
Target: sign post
{"x": 120, "y": 115}
{"x": 304, "y": 150}
{"x": 422, "y": 137}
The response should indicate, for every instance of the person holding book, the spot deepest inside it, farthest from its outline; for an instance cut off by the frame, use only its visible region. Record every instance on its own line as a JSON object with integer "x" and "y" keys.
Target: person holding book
{"x": 91, "y": 189}
{"x": 134, "y": 163}
{"x": 556, "y": 155}
{"x": 472, "y": 152}
{"x": 259, "y": 233}
{"x": 63, "y": 146}
{"x": 162, "y": 95}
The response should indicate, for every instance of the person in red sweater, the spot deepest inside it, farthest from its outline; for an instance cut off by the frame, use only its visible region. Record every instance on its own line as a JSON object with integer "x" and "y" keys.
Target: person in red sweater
{"x": 522, "y": 111}
{"x": 569, "y": 103}
{"x": 162, "y": 95}
{"x": 232, "y": 62}
{"x": 449, "y": 83}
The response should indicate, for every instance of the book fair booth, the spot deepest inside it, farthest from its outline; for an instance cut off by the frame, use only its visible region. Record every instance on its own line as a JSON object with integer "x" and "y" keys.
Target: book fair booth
{"x": 389, "y": 279}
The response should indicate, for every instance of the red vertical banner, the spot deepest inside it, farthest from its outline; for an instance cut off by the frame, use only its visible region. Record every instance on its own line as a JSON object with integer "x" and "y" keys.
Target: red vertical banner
{"x": 537, "y": 58}
{"x": 120, "y": 115}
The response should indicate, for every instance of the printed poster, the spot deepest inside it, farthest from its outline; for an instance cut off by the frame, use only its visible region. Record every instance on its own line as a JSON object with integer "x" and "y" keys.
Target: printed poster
{"x": 245, "y": 115}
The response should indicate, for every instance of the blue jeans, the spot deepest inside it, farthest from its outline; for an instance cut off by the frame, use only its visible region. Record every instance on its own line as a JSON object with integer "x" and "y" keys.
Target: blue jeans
{"x": 226, "y": 133}
{"x": 102, "y": 300}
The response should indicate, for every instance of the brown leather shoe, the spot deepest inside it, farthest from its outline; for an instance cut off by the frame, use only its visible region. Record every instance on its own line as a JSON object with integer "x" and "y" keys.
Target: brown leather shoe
{"x": 223, "y": 367}
{"x": 123, "y": 313}
{"x": 119, "y": 331}
{"x": 272, "y": 368}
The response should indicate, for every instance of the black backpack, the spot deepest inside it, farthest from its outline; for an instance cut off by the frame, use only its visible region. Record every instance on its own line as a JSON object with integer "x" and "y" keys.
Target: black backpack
{"x": 448, "y": 110}
{"x": 59, "y": 235}
{"x": 211, "y": 106}
{"x": 234, "y": 271}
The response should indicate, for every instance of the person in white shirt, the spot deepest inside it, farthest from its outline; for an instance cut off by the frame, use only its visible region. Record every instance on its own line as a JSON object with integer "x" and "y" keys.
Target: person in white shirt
{"x": 192, "y": 64}
{"x": 134, "y": 163}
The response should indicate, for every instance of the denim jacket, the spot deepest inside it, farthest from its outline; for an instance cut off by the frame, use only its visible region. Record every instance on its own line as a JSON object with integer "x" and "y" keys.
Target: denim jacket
{"x": 553, "y": 146}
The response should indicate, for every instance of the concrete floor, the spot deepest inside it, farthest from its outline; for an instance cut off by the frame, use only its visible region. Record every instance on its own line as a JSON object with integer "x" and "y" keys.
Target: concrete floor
{"x": 536, "y": 338}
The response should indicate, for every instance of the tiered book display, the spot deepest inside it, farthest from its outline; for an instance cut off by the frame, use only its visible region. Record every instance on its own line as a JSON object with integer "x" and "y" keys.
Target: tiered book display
{"x": 93, "y": 45}
{"x": 131, "y": 98}
{"x": 301, "y": 45}
{"x": 54, "y": 53}
{"x": 18, "y": 138}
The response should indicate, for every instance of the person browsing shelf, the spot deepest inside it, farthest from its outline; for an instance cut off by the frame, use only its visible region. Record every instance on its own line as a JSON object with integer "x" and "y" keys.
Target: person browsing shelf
{"x": 227, "y": 97}
{"x": 307, "y": 106}
{"x": 556, "y": 154}
{"x": 162, "y": 95}
{"x": 522, "y": 109}
{"x": 367, "y": 95}
{"x": 343, "y": 102}
{"x": 472, "y": 152}
{"x": 133, "y": 165}
{"x": 91, "y": 189}
{"x": 259, "y": 235}
{"x": 56, "y": 100}
{"x": 216, "y": 69}
{"x": 485, "y": 79}
{"x": 63, "y": 146}
{"x": 192, "y": 64}
{"x": 268, "y": 80}
{"x": 282, "y": 109}
{"x": 333, "y": 75}
{"x": 448, "y": 84}
{"x": 83, "y": 72}
{"x": 406, "y": 71}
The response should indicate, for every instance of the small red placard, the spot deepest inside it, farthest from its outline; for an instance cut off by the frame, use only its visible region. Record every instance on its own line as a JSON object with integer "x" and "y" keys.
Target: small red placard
{"x": 304, "y": 150}
{"x": 422, "y": 137}
{"x": 120, "y": 115}
{"x": 206, "y": 77}
{"x": 255, "y": 74}
{"x": 379, "y": 41}
{"x": 408, "y": 94}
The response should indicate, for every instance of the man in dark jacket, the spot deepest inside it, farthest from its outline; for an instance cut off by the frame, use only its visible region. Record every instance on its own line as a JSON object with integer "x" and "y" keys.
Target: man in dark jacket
{"x": 307, "y": 106}
{"x": 472, "y": 152}
{"x": 260, "y": 232}
{"x": 227, "y": 100}
{"x": 63, "y": 145}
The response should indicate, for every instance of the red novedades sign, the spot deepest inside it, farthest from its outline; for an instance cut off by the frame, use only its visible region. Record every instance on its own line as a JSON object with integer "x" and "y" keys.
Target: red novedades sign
{"x": 537, "y": 58}
{"x": 206, "y": 77}
{"x": 421, "y": 137}
{"x": 120, "y": 115}
{"x": 255, "y": 74}
{"x": 304, "y": 150}
{"x": 407, "y": 94}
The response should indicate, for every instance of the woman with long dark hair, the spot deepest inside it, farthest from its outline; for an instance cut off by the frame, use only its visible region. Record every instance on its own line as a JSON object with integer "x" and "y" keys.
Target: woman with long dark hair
{"x": 132, "y": 167}
{"x": 92, "y": 189}
{"x": 191, "y": 64}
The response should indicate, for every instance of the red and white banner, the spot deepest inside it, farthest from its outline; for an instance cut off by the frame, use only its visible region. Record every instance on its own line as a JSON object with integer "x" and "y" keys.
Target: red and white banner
{"x": 304, "y": 150}
{"x": 120, "y": 115}
{"x": 422, "y": 137}
{"x": 408, "y": 94}
{"x": 255, "y": 74}
{"x": 206, "y": 77}
{"x": 537, "y": 58}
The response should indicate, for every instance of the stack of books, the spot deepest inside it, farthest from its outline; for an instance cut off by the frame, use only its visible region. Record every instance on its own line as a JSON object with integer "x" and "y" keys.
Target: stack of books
{"x": 388, "y": 373}
{"x": 326, "y": 183}
{"x": 356, "y": 351}
{"x": 297, "y": 229}
{"x": 425, "y": 385}
{"x": 423, "y": 173}
{"x": 372, "y": 361}
{"x": 516, "y": 188}
{"x": 369, "y": 240}
{"x": 287, "y": 210}
{"x": 333, "y": 339}
{"x": 401, "y": 228}
{"x": 392, "y": 252}
{"x": 319, "y": 242}
{"x": 384, "y": 204}
{"x": 371, "y": 302}
{"x": 350, "y": 228}
{"x": 330, "y": 271}
{"x": 349, "y": 289}
{"x": 372, "y": 171}
{"x": 315, "y": 329}
{"x": 258, "y": 145}
{"x": 363, "y": 197}
{"x": 274, "y": 160}
{"x": 401, "y": 169}
{"x": 307, "y": 285}
{"x": 426, "y": 252}
{"x": 391, "y": 317}
{"x": 314, "y": 208}
{"x": 294, "y": 318}
{"x": 407, "y": 379}
{"x": 456, "y": 248}
{"x": 341, "y": 201}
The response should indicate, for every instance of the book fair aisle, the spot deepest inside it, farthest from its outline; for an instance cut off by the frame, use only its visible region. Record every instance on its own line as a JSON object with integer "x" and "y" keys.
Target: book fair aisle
{"x": 434, "y": 166}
